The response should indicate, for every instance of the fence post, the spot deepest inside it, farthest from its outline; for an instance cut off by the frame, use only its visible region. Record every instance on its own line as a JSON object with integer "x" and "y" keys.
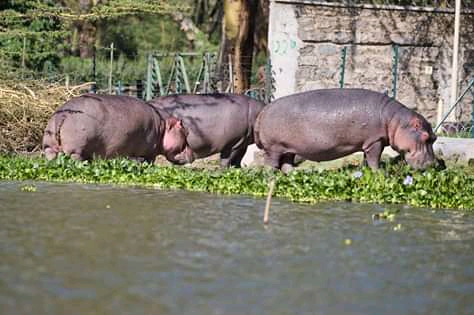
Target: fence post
{"x": 139, "y": 85}
{"x": 111, "y": 66}
{"x": 67, "y": 81}
{"x": 268, "y": 81}
{"x": 23, "y": 57}
{"x": 119, "y": 88}
{"x": 94, "y": 74}
{"x": 472, "y": 113}
{"x": 394, "y": 70}
{"x": 231, "y": 75}
{"x": 157, "y": 71}
{"x": 200, "y": 73}
{"x": 342, "y": 67}
{"x": 184, "y": 74}
{"x": 149, "y": 79}
{"x": 170, "y": 78}
{"x": 467, "y": 89}
{"x": 207, "y": 72}
{"x": 178, "y": 74}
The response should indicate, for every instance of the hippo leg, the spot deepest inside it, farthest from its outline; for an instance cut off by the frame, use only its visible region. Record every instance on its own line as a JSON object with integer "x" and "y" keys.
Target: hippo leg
{"x": 225, "y": 158}
{"x": 287, "y": 162}
{"x": 141, "y": 159}
{"x": 272, "y": 158}
{"x": 234, "y": 155}
{"x": 372, "y": 154}
{"x": 149, "y": 159}
{"x": 282, "y": 161}
{"x": 237, "y": 154}
{"x": 75, "y": 153}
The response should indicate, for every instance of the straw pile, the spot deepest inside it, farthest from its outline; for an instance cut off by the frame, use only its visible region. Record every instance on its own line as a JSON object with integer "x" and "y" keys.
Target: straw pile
{"x": 25, "y": 108}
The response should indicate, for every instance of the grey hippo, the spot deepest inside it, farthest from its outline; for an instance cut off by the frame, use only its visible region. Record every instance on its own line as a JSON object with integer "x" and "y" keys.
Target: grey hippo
{"x": 327, "y": 124}
{"x": 217, "y": 123}
{"x": 108, "y": 126}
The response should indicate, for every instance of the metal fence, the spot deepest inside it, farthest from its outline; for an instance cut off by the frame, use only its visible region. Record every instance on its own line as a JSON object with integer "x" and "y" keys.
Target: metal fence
{"x": 456, "y": 129}
{"x": 169, "y": 73}
{"x": 144, "y": 75}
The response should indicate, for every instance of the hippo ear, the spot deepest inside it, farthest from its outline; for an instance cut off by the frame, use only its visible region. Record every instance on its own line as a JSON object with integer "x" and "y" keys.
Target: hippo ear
{"x": 416, "y": 123}
{"x": 173, "y": 122}
{"x": 424, "y": 136}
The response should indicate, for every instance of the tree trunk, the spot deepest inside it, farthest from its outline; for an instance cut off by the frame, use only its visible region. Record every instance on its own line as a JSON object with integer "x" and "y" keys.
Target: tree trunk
{"x": 237, "y": 43}
{"x": 86, "y": 30}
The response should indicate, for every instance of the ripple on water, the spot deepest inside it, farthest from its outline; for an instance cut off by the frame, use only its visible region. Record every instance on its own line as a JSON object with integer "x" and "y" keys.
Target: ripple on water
{"x": 104, "y": 249}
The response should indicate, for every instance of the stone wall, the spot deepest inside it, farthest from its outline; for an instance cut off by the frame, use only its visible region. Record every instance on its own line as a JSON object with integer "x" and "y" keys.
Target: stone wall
{"x": 306, "y": 39}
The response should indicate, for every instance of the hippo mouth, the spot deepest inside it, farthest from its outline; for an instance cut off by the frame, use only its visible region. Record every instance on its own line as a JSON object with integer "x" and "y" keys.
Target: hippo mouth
{"x": 421, "y": 164}
{"x": 184, "y": 157}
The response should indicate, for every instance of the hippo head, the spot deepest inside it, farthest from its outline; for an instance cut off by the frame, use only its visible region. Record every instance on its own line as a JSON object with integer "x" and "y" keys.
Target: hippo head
{"x": 175, "y": 145}
{"x": 414, "y": 139}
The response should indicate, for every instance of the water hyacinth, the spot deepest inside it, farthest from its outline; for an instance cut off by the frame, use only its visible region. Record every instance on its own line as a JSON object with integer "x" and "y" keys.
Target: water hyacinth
{"x": 450, "y": 188}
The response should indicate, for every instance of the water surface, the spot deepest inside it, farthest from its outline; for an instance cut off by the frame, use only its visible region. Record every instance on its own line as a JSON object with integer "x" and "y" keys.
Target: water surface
{"x": 86, "y": 249}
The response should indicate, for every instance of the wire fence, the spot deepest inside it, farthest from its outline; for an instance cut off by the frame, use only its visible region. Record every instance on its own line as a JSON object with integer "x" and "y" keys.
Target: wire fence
{"x": 145, "y": 75}
{"x": 414, "y": 3}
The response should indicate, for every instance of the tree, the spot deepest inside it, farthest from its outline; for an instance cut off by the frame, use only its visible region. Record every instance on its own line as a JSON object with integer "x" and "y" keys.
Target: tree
{"x": 27, "y": 37}
{"x": 238, "y": 26}
{"x": 34, "y": 33}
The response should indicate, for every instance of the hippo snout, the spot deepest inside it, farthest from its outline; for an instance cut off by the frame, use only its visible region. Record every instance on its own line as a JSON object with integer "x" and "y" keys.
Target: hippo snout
{"x": 424, "y": 163}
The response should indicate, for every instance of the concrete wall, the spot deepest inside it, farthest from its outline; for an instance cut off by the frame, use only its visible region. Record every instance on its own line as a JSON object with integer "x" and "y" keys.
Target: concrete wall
{"x": 306, "y": 38}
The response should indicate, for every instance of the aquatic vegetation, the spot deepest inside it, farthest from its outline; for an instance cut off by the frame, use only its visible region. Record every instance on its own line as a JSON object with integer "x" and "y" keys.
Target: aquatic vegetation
{"x": 28, "y": 188}
{"x": 388, "y": 215}
{"x": 395, "y": 183}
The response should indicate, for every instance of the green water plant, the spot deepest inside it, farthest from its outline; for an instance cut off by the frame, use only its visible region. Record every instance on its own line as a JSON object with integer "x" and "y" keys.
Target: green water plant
{"x": 28, "y": 188}
{"x": 394, "y": 184}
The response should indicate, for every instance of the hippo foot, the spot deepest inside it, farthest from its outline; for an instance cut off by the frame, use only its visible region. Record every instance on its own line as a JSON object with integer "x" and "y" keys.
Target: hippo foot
{"x": 50, "y": 154}
{"x": 77, "y": 157}
{"x": 286, "y": 168}
{"x": 440, "y": 164}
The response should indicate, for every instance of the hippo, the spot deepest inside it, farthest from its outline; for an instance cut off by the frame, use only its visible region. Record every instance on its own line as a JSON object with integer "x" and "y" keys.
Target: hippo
{"x": 326, "y": 124}
{"x": 108, "y": 126}
{"x": 216, "y": 123}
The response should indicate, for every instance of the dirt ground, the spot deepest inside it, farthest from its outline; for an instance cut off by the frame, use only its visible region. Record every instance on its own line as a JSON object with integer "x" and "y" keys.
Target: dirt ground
{"x": 212, "y": 162}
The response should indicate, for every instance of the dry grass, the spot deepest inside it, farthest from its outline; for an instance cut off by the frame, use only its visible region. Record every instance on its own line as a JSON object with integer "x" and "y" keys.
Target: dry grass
{"x": 25, "y": 108}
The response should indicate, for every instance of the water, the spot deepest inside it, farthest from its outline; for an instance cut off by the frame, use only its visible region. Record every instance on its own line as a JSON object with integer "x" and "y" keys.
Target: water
{"x": 84, "y": 249}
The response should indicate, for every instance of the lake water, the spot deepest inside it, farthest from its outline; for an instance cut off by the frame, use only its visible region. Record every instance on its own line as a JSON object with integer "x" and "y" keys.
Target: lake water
{"x": 86, "y": 249}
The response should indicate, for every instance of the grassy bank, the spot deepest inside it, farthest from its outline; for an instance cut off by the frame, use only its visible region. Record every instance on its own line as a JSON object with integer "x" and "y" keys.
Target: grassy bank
{"x": 450, "y": 188}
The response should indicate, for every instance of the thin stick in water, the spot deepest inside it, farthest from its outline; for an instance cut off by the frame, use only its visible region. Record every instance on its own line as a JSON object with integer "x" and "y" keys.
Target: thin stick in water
{"x": 269, "y": 199}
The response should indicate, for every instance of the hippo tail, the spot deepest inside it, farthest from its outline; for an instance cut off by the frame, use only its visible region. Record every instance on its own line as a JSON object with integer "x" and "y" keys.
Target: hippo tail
{"x": 255, "y": 107}
{"x": 256, "y": 133}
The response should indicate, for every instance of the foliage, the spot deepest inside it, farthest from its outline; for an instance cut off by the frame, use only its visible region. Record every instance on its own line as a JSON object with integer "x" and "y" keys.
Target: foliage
{"x": 30, "y": 40}
{"x": 39, "y": 35}
{"x": 25, "y": 109}
{"x": 449, "y": 188}
{"x": 80, "y": 70}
